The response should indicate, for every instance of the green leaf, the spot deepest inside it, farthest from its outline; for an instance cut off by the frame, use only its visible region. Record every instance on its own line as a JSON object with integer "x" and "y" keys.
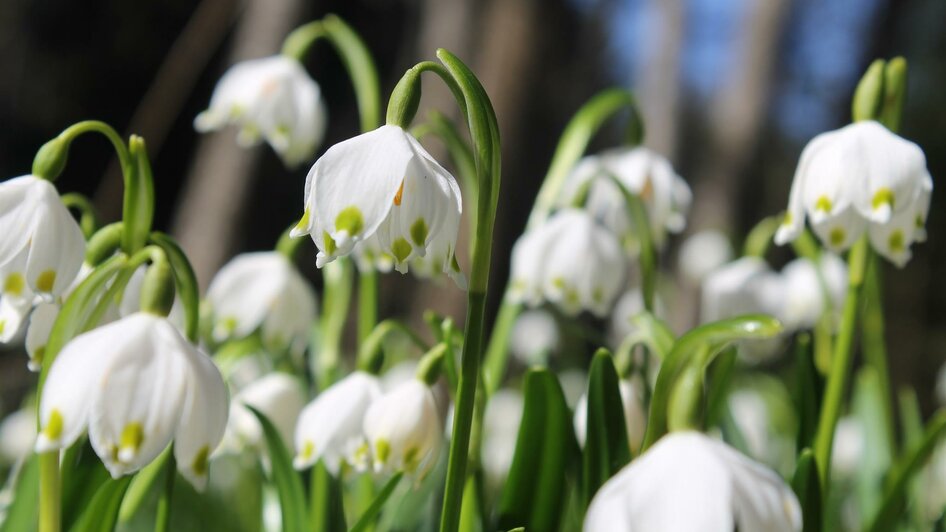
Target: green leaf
{"x": 288, "y": 483}
{"x": 807, "y": 486}
{"x": 326, "y": 513}
{"x": 368, "y": 518}
{"x": 711, "y": 339}
{"x": 82, "y": 475}
{"x": 138, "y": 204}
{"x": 606, "y": 446}
{"x": 21, "y": 514}
{"x": 534, "y": 495}
{"x": 102, "y": 512}
{"x": 806, "y": 391}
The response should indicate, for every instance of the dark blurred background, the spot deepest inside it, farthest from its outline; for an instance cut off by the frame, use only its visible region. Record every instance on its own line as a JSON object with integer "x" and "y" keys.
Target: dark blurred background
{"x": 731, "y": 91}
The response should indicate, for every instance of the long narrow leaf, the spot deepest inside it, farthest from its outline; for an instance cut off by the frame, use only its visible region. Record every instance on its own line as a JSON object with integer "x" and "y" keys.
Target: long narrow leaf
{"x": 102, "y": 512}
{"x": 606, "y": 445}
{"x": 807, "y": 487}
{"x": 288, "y": 483}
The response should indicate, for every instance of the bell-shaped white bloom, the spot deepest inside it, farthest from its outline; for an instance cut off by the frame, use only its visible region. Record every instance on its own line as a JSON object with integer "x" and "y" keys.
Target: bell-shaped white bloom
{"x": 17, "y": 435}
{"x": 642, "y": 172}
{"x": 571, "y": 261}
{"x": 383, "y": 184}
{"x": 330, "y": 427}
{"x": 272, "y": 99}
{"x": 370, "y": 257}
{"x": 628, "y": 307}
{"x": 862, "y": 176}
{"x": 634, "y": 414}
{"x": 848, "y": 447}
{"x": 41, "y": 245}
{"x": 262, "y": 291}
{"x": 135, "y": 384}
{"x": 702, "y": 253}
{"x": 404, "y": 430}
{"x": 534, "y": 337}
{"x": 278, "y": 396}
{"x": 806, "y": 287}
{"x": 500, "y": 432}
{"x": 689, "y": 481}
{"x": 762, "y": 411}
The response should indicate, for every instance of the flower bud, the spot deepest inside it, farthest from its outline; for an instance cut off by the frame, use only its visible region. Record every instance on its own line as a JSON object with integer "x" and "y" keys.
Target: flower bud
{"x": 51, "y": 159}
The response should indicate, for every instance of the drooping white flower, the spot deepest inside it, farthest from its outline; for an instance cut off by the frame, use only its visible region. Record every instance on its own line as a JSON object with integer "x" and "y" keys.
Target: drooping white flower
{"x": 848, "y": 447}
{"x": 403, "y": 429}
{"x": 41, "y": 245}
{"x": 135, "y": 384}
{"x": 643, "y": 172}
{"x": 629, "y": 306}
{"x": 689, "y": 481}
{"x": 262, "y": 291}
{"x": 702, "y": 253}
{"x": 17, "y": 435}
{"x": 762, "y": 411}
{"x": 383, "y": 184}
{"x": 272, "y": 99}
{"x": 500, "y": 432}
{"x": 861, "y": 177}
{"x": 330, "y": 427}
{"x": 634, "y": 414}
{"x": 534, "y": 337}
{"x": 805, "y": 287}
{"x": 571, "y": 261}
{"x": 278, "y": 396}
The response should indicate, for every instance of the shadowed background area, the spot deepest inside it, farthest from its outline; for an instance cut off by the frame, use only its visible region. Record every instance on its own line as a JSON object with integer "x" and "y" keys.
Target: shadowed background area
{"x": 731, "y": 91}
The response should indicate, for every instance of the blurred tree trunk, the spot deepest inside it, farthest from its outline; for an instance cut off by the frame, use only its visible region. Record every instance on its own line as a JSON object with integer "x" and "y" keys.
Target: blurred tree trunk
{"x": 735, "y": 117}
{"x": 659, "y": 75}
{"x": 213, "y": 199}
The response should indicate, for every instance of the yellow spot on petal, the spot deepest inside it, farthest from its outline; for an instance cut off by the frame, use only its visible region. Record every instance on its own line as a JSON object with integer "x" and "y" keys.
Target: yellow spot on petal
{"x": 3, "y": 324}
{"x": 14, "y": 284}
{"x": 789, "y": 218}
{"x": 308, "y": 449}
{"x": 351, "y": 220}
{"x": 304, "y": 221}
{"x": 824, "y": 204}
{"x": 647, "y": 191}
{"x": 382, "y": 451}
{"x": 883, "y": 196}
{"x": 199, "y": 465}
{"x": 419, "y": 232}
{"x": 400, "y": 194}
{"x": 411, "y": 459}
{"x": 53, "y": 428}
{"x": 559, "y": 282}
{"x": 401, "y": 249}
{"x": 598, "y": 295}
{"x": 896, "y": 241}
{"x": 229, "y": 324}
{"x": 132, "y": 436}
{"x": 454, "y": 264}
{"x": 837, "y": 236}
{"x": 919, "y": 222}
{"x": 329, "y": 242}
{"x": 45, "y": 281}
{"x": 38, "y": 353}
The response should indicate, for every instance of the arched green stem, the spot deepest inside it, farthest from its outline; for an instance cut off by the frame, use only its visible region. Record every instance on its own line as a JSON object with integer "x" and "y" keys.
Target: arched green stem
{"x": 185, "y": 282}
{"x": 87, "y": 219}
{"x": 637, "y": 212}
{"x": 571, "y": 146}
{"x": 288, "y": 246}
{"x": 370, "y": 351}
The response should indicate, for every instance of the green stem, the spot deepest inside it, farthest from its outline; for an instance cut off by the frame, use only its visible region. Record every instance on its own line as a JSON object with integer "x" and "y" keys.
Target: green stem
{"x": 368, "y": 518}
{"x": 162, "y": 522}
{"x": 759, "y": 238}
{"x": 288, "y": 246}
{"x": 185, "y": 281}
{"x": 368, "y": 358}
{"x": 50, "y": 492}
{"x": 841, "y": 361}
{"x": 875, "y": 348}
{"x": 87, "y": 218}
{"x": 97, "y": 126}
{"x": 337, "y": 287}
{"x": 497, "y": 352}
{"x": 367, "y": 303}
{"x": 648, "y": 254}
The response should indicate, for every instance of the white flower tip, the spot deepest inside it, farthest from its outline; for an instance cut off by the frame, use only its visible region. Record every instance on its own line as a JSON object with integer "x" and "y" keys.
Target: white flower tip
{"x": 207, "y": 121}
{"x": 881, "y": 213}
{"x": 401, "y": 266}
{"x": 321, "y": 259}
{"x": 34, "y": 365}
{"x": 459, "y": 279}
{"x": 785, "y": 234}
{"x": 45, "y": 445}
{"x": 297, "y": 231}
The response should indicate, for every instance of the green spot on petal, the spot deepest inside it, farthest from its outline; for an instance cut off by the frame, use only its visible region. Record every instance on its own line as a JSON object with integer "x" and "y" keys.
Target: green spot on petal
{"x": 454, "y": 264}
{"x": 308, "y": 449}
{"x": 401, "y": 249}
{"x": 411, "y": 459}
{"x": 14, "y": 284}
{"x": 559, "y": 282}
{"x": 45, "y": 281}
{"x": 330, "y": 246}
{"x": 199, "y": 465}
{"x": 132, "y": 436}
{"x": 53, "y": 428}
{"x": 837, "y": 236}
{"x": 823, "y": 204}
{"x": 789, "y": 218}
{"x": 304, "y": 221}
{"x": 350, "y": 220}
{"x": 419, "y": 232}
{"x": 598, "y": 295}
{"x": 896, "y": 241}
{"x": 883, "y": 196}
{"x": 919, "y": 222}
{"x": 382, "y": 451}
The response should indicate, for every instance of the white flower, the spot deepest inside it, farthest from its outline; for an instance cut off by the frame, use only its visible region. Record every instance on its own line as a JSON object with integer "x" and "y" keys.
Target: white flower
{"x": 278, "y": 396}
{"x": 41, "y": 245}
{"x": 645, "y": 174}
{"x": 534, "y": 337}
{"x": 42, "y": 320}
{"x": 330, "y": 427}
{"x": 629, "y": 306}
{"x": 689, "y": 481}
{"x": 634, "y": 414}
{"x": 17, "y": 435}
{"x": 272, "y": 98}
{"x": 500, "y": 432}
{"x": 403, "y": 429}
{"x": 383, "y": 184}
{"x": 848, "y": 448}
{"x": 702, "y": 253}
{"x": 571, "y": 261}
{"x": 805, "y": 290}
{"x": 370, "y": 257}
{"x": 135, "y": 384}
{"x": 861, "y": 177}
{"x": 262, "y": 291}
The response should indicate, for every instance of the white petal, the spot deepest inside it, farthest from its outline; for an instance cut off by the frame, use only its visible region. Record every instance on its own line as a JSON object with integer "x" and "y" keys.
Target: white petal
{"x": 840, "y": 230}
{"x": 42, "y": 320}
{"x": 702, "y": 253}
{"x": 403, "y": 429}
{"x": 245, "y": 290}
{"x": 291, "y": 315}
{"x": 13, "y": 313}
{"x": 57, "y": 248}
{"x": 17, "y": 206}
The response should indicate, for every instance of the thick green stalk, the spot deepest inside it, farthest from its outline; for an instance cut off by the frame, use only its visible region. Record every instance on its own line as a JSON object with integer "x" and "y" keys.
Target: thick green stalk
{"x": 367, "y": 303}
{"x": 874, "y": 344}
{"x": 336, "y": 298}
{"x": 162, "y": 521}
{"x": 840, "y": 375}
{"x": 88, "y": 221}
{"x": 50, "y": 492}
{"x": 648, "y": 254}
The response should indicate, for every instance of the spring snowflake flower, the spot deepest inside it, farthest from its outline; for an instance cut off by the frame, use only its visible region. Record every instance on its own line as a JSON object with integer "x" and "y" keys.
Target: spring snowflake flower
{"x": 644, "y": 173}
{"x": 534, "y": 337}
{"x": 384, "y": 188}
{"x": 278, "y": 396}
{"x": 330, "y": 427}
{"x": 272, "y": 98}
{"x": 403, "y": 429}
{"x": 861, "y": 177}
{"x": 500, "y": 431}
{"x": 571, "y": 261}
{"x": 689, "y": 481}
{"x": 702, "y": 253}
{"x": 135, "y": 385}
{"x": 805, "y": 286}
{"x": 262, "y": 291}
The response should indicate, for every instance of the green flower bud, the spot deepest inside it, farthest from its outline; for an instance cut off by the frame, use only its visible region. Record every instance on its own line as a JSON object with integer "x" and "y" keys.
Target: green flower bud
{"x": 869, "y": 94}
{"x": 51, "y": 158}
